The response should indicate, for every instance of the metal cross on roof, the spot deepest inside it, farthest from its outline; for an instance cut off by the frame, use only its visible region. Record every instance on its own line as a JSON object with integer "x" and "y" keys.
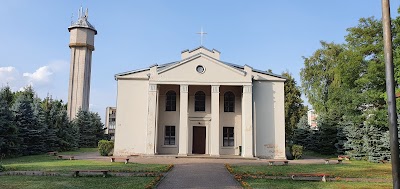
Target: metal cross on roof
{"x": 201, "y": 36}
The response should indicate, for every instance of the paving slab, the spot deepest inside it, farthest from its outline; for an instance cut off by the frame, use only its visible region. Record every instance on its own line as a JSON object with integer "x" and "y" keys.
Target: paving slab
{"x": 199, "y": 175}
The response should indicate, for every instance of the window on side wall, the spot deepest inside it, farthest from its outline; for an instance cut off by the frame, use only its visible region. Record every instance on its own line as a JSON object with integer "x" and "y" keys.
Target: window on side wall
{"x": 228, "y": 136}
{"x": 169, "y": 137}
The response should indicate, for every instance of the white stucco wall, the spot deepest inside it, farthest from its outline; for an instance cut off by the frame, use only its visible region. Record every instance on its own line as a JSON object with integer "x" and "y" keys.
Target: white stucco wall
{"x": 266, "y": 109}
{"x": 269, "y": 119}
{"x": 132, "y": 105}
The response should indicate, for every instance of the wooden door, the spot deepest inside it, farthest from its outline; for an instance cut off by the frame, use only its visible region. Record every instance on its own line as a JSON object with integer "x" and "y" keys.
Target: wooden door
{"x": 199, "y": 140}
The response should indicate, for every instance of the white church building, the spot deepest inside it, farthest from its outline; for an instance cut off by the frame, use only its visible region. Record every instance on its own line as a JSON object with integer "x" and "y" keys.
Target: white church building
{"x": 200, "y": 105}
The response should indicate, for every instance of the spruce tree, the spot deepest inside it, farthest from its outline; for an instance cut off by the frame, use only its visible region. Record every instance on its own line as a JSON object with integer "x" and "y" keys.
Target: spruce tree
{"x": 90, "y": 128}
{"x": 9, "y": 141}
{"x": 294, "y": 108}
{"x": 98, "y": 125}
{"x": 30, "y": 130}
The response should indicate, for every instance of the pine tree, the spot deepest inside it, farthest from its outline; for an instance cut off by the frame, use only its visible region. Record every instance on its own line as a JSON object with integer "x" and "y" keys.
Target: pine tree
{"x": 87, "y": 134}
{"x": 9, "y": 141}
{"x": 302, "y": 133}
{"x": 48, "y": 137}
{"x": 30, "y": 129}
{"x": 90, "y": 128}
{"x": 52, "y": 140}
{"x": 98, "y": 125}
{"x": 67, "y": 132}
{"x": 294, "y": 108}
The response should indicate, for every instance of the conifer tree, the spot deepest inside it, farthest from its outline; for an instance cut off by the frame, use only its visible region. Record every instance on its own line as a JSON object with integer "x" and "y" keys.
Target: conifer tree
{"x": 294, "y": 108}
{"x": 9, "y": 141}
{"x": 29, "y": 121}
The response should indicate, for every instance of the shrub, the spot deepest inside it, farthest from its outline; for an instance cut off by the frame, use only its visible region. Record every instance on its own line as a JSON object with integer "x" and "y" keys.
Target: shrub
{"x": 2, "y": 168}
{"x": 297, "y": 151}
{"x": 105, "y": 147}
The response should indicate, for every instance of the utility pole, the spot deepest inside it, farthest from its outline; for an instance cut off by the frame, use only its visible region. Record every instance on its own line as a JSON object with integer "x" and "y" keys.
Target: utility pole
{"x": 394, "y": 137}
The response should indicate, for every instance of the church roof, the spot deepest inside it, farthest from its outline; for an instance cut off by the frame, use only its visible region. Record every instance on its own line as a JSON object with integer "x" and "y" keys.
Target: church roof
{"x": 82, "y": 21}
{"x": 162, "y": 67}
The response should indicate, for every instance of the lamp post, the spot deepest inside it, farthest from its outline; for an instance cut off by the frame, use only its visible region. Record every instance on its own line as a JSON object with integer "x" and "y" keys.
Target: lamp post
{"x": 388, "y": 53}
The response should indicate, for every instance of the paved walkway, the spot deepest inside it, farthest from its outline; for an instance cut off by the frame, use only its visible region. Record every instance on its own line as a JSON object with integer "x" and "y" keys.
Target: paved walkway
{"x": 198, "y": 176}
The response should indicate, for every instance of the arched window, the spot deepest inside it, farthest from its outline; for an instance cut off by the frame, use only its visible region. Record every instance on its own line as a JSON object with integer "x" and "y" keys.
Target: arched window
{"x": 170, "y": 102}
{"x": 200, "y": 101}
{"x": 229, "y": 102}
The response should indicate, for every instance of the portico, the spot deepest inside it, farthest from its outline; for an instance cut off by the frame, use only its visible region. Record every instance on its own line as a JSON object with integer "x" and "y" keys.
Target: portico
{"x": 200, "y": 105}
{"x": 199, "y": 119}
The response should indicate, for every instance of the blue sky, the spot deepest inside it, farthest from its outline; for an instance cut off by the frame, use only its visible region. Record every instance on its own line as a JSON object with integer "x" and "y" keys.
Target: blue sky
{"x": 135, "y": 34}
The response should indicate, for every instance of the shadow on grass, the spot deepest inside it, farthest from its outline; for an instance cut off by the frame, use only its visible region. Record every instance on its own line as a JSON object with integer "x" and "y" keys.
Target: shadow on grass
{"x": 52, "y": 163}
{"x": 351, "y": 169}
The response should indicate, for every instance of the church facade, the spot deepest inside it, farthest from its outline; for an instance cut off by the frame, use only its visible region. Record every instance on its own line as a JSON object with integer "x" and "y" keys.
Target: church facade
{"x": 200, "y": 105}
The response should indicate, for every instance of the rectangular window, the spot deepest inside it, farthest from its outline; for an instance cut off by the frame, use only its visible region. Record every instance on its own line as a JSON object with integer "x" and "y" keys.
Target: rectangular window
{"x": 169, "y": 137}
{"x": 228, "y": 136}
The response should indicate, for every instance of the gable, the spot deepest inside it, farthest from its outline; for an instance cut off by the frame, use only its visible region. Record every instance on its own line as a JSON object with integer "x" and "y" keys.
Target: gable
{"x": 214, "y": 72}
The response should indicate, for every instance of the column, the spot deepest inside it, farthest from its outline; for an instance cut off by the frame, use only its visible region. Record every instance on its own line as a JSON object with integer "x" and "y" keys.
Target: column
{"x": 247, "y": 121}
{"x": 151, "y": 120}
{"x": 215, "y": 137}
{"x": 183, "y": 121}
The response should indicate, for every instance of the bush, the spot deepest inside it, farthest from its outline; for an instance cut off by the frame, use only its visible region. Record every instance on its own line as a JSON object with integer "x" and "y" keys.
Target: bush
{"x": 105, "y": 147}
{"x": 297, "y": 151}
{"x": 2, "y": 168}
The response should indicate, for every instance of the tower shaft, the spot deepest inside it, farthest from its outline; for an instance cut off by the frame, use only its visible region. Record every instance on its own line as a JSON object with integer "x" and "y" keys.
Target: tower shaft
{"x": 81, "y": 44}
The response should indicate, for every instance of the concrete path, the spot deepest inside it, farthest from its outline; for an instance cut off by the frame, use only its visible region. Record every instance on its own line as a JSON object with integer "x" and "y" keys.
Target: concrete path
{"x": 198, "y": 176}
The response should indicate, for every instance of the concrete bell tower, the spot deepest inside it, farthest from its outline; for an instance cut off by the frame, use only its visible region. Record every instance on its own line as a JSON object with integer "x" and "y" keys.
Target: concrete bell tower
{"x": 81, "y": 44}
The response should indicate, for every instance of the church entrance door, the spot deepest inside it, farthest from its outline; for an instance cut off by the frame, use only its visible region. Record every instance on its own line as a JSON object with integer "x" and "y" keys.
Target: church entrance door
{"x": 199, "y": 140}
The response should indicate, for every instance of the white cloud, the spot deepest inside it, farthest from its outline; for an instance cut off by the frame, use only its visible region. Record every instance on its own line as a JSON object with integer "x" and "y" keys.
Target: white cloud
{"x": 41, "y": 75}
{"x": 8, "y": 75}
{"x": 51, "y": 78}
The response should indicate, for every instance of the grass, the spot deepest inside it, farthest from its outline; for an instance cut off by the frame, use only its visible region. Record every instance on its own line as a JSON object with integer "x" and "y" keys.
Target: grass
{"x": 51, "y": 163}
{"x": 289, "y": 184}
{"x": 55, "y": 182}
{"x": 317, "y": 155}
{"x": 351, "y": 169}
{"x": 45, "y": 162}
{"x": 79, "y": 151}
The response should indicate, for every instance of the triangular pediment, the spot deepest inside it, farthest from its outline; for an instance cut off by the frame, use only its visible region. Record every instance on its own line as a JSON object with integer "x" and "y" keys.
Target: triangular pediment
{"x": 215, "y": 71}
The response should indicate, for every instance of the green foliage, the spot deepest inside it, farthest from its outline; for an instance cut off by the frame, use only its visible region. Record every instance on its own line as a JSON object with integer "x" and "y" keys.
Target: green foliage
{"x": 2, "y": 168}
{"x": 345, "y": 83}
{"x": 30, "y": 132}
{"x": 297, "y": 151}
{"x": 294, "y": 108}
{"x": 90, "y": 128}
{"x": 9, "y": 141}
{"x": 105, "y": 147}
{"x": 302, "y": 133}
{"x": 29, "y": 125}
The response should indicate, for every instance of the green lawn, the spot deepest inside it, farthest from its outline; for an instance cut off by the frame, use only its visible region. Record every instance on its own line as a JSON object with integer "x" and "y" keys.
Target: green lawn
{"x": 80, "y": 150}
{"x": 315, "y": 154}
{"x": 50, "y": 182}
{"x": 45, "y": 162}
{"x": 351, "y": 169}
{"x": 289, "y": 184}
{"x": 51, "y": 163}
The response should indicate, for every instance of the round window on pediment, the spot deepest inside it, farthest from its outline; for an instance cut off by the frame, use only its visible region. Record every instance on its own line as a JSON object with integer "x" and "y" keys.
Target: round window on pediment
{"x": 200, "y": 69}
